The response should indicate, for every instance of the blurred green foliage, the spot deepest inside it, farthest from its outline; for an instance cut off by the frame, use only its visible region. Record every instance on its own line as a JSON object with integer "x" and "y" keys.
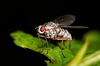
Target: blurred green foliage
{"x": 26, "y": 40}
{"x": 94, "y": 37}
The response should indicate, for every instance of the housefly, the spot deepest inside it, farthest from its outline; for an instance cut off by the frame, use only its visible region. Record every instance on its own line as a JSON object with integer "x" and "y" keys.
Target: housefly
{"x": 55, "y": 30}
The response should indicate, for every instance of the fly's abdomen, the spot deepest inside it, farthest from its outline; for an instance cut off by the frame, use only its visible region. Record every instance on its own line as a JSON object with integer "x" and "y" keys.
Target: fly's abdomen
{"x": 65, "y": 34}
{"x": 61, "y": 32}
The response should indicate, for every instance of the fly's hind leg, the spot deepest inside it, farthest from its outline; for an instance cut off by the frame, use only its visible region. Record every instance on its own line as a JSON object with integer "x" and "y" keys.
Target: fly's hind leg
{"x": 70, "y": 46}
{"x": 65, "y": 45}
{"x": 61, "y": 48}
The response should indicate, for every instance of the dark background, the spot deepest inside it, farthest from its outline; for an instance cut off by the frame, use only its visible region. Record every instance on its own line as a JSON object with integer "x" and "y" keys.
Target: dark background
{"x": 26, "y": 16}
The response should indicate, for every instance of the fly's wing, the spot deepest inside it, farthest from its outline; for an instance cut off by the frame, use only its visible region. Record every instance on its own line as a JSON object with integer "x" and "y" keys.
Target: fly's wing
{"x": 63, "y": 26}
{"x": 67, "y": 19}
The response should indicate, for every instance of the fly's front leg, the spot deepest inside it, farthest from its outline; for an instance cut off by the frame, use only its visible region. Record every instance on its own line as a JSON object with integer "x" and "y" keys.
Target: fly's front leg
{"x": 41, "y": 41}
{"x": 47, "y": 44}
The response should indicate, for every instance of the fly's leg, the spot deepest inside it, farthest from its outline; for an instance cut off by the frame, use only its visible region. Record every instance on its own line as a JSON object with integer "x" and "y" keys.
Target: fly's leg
{"x": 42, "y": 43}
{"x": 41, "y": 40}
{"x": 64, "y": 45}
{"x": 69, "y": 45}
{"x": 49, "y": 40}
{"x": 47, "y": 45}
{"x": 61, "y": 48}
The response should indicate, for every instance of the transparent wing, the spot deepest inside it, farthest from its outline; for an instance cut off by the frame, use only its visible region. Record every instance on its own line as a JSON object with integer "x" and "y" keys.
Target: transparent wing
{"x": 67, "y": 19}
{"x": 63, "y": 26}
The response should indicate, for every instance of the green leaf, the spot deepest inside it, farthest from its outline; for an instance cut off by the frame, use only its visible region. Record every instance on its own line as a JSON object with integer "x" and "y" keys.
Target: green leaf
{"x": 26, "y": 40}
{"x": 90, "y": 59}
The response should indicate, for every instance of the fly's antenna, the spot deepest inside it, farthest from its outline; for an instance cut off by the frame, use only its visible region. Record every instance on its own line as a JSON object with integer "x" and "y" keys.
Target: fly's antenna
{"x": 36, "y": 27}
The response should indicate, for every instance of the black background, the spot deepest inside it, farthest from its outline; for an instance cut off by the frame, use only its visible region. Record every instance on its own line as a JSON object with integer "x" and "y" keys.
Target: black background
{"x": 25, "y": 16}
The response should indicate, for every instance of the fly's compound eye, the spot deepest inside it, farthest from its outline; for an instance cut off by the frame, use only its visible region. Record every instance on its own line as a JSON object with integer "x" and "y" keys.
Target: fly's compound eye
{"x": 41, "y": 29}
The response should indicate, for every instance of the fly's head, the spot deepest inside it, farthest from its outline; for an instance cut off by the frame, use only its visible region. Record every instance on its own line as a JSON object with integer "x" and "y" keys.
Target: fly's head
{"x": 41, "y": 29}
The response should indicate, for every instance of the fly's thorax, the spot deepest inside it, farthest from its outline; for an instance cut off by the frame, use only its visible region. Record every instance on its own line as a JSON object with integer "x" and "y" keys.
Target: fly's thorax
{"x": 50, "y": 25}
{"x": 58, "y": 29}
{"x": 47, "y": 31}
{"x": 51, "y": 32}
{"x": 53, "y": 35}
{"x": 50, "y": 28}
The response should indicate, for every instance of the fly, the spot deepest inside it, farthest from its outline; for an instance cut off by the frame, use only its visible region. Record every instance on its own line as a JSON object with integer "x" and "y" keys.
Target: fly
{"x": 54, "y": 30}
